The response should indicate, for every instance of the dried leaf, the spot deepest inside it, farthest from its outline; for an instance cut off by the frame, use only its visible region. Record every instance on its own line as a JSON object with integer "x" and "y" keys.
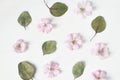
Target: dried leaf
{"x": 78, "y": 69}
{"x": 26, "y": 70}
{"x": 98, "y": 25}
{"x": 58, "y": 9}
{"x": 49, "y": 47}
{"x": 24, "y": 19}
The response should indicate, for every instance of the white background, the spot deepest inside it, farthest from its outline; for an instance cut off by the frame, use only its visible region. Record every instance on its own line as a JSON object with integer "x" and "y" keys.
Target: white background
{"x": 10, "y": 31}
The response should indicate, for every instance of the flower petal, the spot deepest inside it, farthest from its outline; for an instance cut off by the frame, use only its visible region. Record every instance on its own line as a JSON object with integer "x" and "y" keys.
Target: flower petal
{"x": 52, "y": 69}
{"x": 20, "y": 46}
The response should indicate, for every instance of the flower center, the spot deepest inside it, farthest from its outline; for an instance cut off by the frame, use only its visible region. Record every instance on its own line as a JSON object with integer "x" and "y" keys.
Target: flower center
{"x": 45, "y": 25}
{"x": 19, "y": 46}
{"x": 98, "y": 78}
{"x": 82, "y": 9}
{"x": 100, "y": 51}
{"x": 74, "y": 41}
{"x": 52, "y": 69}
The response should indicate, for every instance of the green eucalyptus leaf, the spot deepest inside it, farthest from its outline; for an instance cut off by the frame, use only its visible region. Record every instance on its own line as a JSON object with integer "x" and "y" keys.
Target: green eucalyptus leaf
{"x": 58, "y": 9}
{"x": 24, "y": 19}
{"x": 49, "y": 47}
{"x": 78, "y": 69}
{"x": 26, "y": 70}
{"x": 98, "y": 25}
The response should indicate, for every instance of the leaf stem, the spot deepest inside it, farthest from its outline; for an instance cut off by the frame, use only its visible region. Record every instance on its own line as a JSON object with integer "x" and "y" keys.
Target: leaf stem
{"x": 93, "y": 36}
{"x": 74, "y": 78}
{"x": 46, "y": 4}
{"x": 24, "y": 27}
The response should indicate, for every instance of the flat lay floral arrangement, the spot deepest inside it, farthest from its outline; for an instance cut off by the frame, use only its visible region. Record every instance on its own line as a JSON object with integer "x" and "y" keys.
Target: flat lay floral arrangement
{"x": 74, "y": 41}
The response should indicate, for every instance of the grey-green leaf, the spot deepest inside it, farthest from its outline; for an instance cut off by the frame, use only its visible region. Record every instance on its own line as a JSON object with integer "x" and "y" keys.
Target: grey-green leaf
{"x": 78, "y": 69}
{"x": 24, "y": 19}
{"x": 58, "y": 9}
{"x": 26, "y": 70}
{"x": 98, "y": 25}
{"x": 49, "y": 47}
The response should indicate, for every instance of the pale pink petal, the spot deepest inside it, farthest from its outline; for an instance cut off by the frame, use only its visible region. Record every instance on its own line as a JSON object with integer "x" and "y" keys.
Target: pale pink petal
{"x": 87, "y": 6}
{"x": 95, "y": 49}
{"x": 82, "y": 3}
{"x": 99, "y": 75}
{"x": 95, "y": 52}
{"x": 76, "y": 36}
{"x": 52, "y": 69}
{"x": 70, "y": 36}
{"x": 24, "y": 47}
{"x": 74, "y": 41}
{"x": 101, "y": 47}
{"x": 20, "y": 46}
{"x": 41, "y": 27}
{"x": 70, "y": 46}
{"x": 96, "y": 74}
{"x": 103, "y": 74}
{"x": 45, "y": 26}
{"x": 45, "y": 20}
{"x": 76, "y": 46}
{"x": 87, "y": 13}
{"x": 79, "y": 42}
{"x": 48, "y": 28}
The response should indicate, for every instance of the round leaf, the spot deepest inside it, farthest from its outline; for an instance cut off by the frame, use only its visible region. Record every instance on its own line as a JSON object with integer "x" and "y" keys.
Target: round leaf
{"x": 24, "y": 19}
{"x": 58, "y": 9}
{"x": 98, "y": 24}
{"x": 49, "y": 47}
{"x": 26, "y": 70}
{"x": 78, "y": 69}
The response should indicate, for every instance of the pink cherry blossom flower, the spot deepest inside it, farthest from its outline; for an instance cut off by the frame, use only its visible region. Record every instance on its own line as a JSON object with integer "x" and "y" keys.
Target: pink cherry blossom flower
{"x": 100, "y": 75}
{"x": 20, "y": 46}
{"x": 45, "y": 26}
{"x": 85, "y": 8}
{"x": 52, "y": 69}
{"x": 101, "y": 50}
{"x": 74, "y": 41}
